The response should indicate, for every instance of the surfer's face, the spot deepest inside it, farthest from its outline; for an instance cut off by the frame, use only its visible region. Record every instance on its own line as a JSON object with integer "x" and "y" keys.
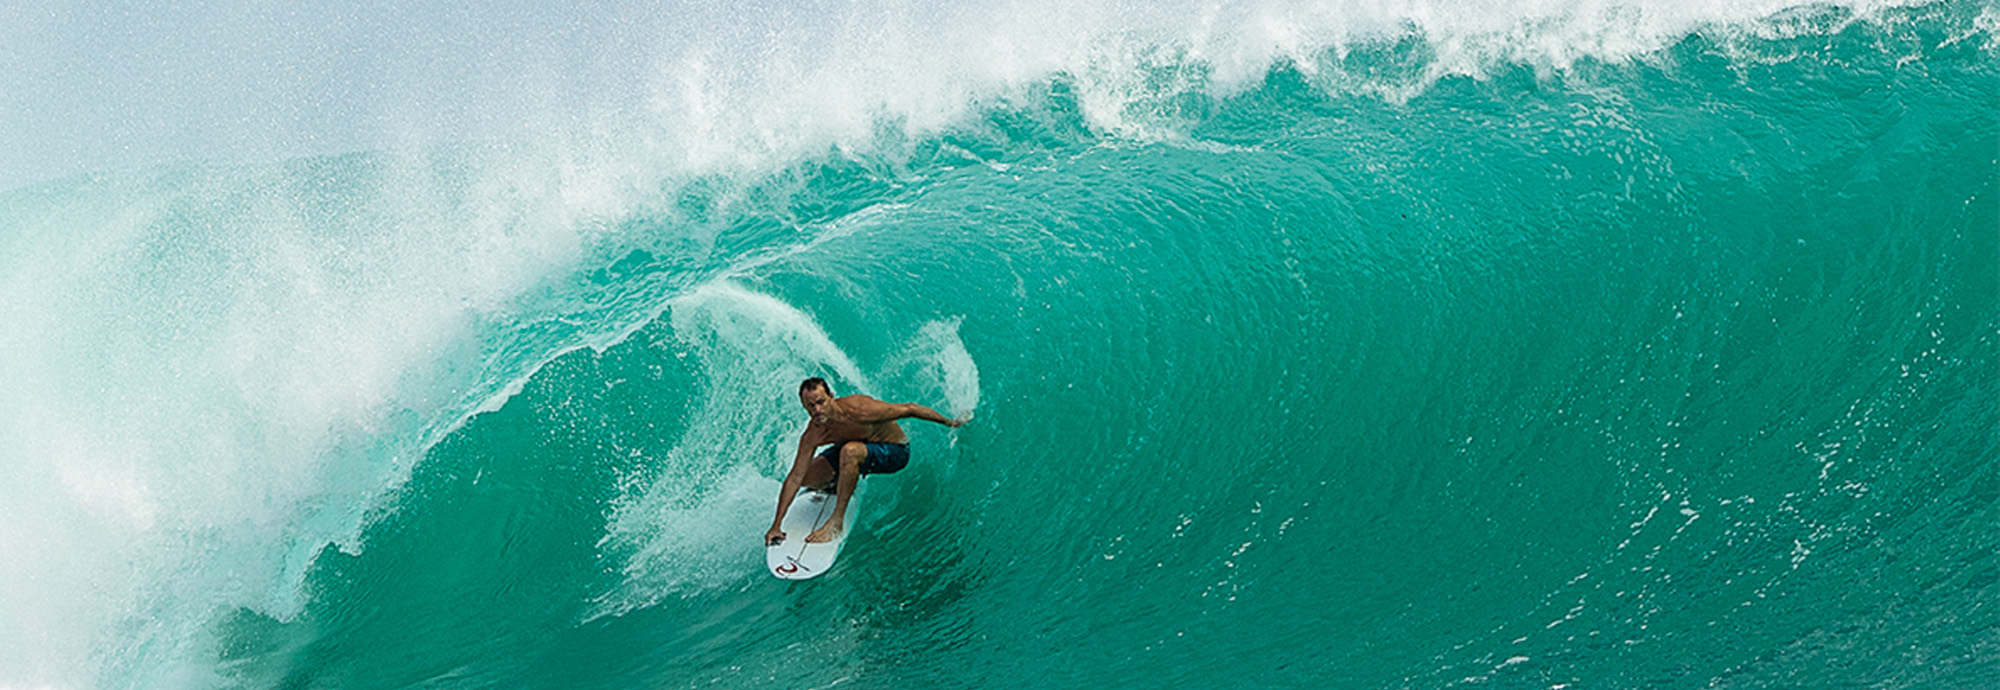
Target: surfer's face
{"x": 817, "y": 401}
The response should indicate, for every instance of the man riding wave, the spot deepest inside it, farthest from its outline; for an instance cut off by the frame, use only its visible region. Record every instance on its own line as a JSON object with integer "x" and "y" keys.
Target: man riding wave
{"x": 861, "y": 436}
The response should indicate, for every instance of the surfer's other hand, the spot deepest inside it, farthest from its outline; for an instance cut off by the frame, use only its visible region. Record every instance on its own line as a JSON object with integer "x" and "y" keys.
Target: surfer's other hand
{"x": 774, "y": 536}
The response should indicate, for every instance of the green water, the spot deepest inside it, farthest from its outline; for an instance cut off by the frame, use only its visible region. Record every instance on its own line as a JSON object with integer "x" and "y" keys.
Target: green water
{"x": 1681, "y": 370}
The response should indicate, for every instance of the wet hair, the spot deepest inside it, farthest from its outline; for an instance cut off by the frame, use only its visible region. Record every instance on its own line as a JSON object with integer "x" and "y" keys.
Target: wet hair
{"x": 814, "y": 382}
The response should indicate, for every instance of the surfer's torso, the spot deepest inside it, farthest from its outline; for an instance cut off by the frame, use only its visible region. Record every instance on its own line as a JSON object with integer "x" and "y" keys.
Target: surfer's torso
{"x": 835, "y": 425}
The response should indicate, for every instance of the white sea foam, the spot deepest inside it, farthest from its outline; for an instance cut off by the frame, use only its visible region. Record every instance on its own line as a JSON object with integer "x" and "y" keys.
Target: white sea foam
{"x": 935, "y": 362}
{"x": 746, "y": 87}
{"x": 959, "y": 374}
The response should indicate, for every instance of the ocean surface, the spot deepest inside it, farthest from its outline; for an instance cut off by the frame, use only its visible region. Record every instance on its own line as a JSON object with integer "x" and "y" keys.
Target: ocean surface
{"x": 1538, "y": 345}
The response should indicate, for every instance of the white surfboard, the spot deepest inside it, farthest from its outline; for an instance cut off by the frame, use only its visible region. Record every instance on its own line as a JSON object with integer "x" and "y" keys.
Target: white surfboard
{"x": 793, "y": 558}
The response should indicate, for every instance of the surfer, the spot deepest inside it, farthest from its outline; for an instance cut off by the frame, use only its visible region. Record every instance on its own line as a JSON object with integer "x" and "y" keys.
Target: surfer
{"x": 861, "y": 436}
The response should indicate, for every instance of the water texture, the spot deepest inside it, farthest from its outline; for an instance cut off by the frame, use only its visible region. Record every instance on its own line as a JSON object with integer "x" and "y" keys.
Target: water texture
{"x": 1540, "y": 346}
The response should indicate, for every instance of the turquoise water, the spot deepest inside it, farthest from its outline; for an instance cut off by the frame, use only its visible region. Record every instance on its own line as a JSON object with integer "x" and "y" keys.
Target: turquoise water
{"x": 1430, "y": 356}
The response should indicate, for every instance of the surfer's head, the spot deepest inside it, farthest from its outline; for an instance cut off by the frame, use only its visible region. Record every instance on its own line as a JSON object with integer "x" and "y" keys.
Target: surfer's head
{"x": 816, "y": 396}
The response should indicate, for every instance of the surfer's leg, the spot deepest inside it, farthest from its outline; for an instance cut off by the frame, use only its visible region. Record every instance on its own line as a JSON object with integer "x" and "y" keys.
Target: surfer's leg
{"x": 821, "y": 471}
{"x": 851, "y": 455}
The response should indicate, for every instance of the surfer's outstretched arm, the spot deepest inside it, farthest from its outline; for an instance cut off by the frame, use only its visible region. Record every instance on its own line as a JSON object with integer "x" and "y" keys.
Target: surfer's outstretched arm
{"x": 871, "y": 411}
{"x": 929, "y": 415}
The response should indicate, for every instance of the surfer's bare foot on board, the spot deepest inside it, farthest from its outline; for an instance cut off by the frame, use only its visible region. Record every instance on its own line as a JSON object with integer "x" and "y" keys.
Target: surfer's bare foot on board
{"x": 826, "y": 533}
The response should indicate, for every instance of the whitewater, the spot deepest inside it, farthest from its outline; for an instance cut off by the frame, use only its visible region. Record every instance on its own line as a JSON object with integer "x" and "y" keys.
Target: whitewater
{"x": 1537, "y": 344}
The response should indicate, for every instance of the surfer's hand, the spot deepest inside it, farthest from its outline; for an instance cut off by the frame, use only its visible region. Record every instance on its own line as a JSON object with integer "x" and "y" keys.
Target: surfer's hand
{"x": 956, "y": 423}
{"x": 774, "y": 536}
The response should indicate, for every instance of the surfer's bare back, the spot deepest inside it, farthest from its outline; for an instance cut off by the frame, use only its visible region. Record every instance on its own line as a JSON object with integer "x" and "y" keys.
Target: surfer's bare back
{"x": 862, "y": 438}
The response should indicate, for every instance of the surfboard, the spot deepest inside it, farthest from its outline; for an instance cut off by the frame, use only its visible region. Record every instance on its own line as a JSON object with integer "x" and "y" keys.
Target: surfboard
{"x": 793, "y": 558}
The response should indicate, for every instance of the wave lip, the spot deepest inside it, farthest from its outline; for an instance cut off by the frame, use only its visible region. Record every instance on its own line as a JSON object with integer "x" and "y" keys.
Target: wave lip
{"x": 633, "y": 91}
{"x": 739, "y": 95}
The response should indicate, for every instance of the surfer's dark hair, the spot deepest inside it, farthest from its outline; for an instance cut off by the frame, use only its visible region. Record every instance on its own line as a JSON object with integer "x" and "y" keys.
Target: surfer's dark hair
{"x": 814, "y": 382}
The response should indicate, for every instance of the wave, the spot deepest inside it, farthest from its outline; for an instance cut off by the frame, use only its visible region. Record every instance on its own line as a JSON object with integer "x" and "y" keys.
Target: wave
{"x": 219, "y": 370}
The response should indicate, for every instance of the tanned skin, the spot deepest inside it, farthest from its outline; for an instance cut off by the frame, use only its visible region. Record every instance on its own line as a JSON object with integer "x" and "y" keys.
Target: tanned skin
{"x": 849, "y": 421}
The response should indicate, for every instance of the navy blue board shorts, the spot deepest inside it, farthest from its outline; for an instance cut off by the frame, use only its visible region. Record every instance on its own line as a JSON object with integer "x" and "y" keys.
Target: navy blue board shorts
{"x": 883, "y": 458}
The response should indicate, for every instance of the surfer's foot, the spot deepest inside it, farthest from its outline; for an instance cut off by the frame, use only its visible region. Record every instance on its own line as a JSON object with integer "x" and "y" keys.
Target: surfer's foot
{"x": 826, "y": 533}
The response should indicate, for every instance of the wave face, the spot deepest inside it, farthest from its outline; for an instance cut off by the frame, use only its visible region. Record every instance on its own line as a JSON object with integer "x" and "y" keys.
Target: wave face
{"x": 1584, "y": 345}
